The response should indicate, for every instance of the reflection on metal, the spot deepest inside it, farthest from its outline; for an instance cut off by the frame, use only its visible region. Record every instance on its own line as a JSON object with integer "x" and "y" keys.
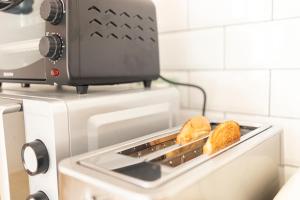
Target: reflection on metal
{"x": 20, "y": 46}
{"x": 16, "y": 6}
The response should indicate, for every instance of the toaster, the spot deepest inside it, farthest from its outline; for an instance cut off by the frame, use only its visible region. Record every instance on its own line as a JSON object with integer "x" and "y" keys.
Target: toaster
{"x": 154, "y": 167}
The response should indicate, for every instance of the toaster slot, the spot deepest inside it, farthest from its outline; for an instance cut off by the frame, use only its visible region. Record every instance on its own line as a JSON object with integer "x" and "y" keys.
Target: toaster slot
{"x": 190, "y": 151}
{"x": 150, "y": 147}
{"x": 182, "y": 154}
{"x": 153, "y": 161}
{"x": 154, "y": 146}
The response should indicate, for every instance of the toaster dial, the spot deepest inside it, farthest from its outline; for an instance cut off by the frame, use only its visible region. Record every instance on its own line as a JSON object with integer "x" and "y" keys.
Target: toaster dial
{"x": 52, "y": 11}
{"x": 38, "y": 196}
{"x": 35, "y": 158}
{"x": 51, "y": 47}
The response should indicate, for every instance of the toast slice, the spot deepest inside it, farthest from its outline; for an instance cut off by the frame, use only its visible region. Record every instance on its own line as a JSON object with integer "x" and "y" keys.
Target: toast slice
{"x": 222, "y": 136}
{"x": 194, "y": 129}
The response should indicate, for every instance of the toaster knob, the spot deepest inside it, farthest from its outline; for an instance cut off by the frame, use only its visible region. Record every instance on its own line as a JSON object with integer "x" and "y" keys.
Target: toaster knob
{"x": 38, "y": 196}
{"x": 52, "y": 11}
{"x": 35, "y": 158}
{"x": 51, "y": 47}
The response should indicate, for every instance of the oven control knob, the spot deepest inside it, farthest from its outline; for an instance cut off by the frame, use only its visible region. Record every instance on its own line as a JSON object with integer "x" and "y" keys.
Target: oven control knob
{"x": 52, "y": 11}
{"x": 35, "y": 158}
{"x": 51, "y": 47}
{"x": 38, "y": 196}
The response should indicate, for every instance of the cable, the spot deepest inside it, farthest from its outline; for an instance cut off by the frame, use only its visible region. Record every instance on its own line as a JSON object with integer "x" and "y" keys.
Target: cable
{"x": 189, "y": 85}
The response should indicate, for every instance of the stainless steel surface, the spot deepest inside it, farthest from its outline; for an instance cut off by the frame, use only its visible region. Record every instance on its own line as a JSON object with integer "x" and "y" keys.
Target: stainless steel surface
{"x": 246, "y": 170}
{"x": 70, "y": 124}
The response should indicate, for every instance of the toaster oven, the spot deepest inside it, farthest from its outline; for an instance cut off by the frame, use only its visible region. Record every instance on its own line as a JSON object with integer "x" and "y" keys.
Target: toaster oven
{"x": 154, "y": 167}
{"x": 40, "y": 126}
{"x": 78, "y": 42}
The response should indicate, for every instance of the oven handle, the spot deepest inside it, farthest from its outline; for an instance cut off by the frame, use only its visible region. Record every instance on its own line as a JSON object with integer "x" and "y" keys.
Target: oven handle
{"x": 97, "y": 121}
{"x": 5, "y": 109}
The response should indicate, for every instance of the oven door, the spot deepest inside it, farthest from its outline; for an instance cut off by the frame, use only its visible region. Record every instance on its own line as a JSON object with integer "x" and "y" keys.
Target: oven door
{"x": 14, "y": 183}
{"x": 21, "y": 29}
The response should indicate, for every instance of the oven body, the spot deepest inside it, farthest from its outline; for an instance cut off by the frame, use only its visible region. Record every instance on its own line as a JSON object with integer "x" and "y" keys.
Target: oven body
{"x": 249, "y": 170}
{"x": 68, "y": 124}
{"x": 79, "y": 42}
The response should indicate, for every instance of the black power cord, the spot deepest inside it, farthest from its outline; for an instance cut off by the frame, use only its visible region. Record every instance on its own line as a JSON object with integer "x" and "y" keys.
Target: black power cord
{"x": 189, "y": 85}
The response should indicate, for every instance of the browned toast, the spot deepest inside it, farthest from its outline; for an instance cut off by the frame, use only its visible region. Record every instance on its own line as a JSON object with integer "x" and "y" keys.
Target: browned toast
{"x": 222, "y": 136}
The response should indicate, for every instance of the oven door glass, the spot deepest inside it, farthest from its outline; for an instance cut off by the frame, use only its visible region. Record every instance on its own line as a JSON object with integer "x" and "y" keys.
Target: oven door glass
{"x": 20, "y": 32}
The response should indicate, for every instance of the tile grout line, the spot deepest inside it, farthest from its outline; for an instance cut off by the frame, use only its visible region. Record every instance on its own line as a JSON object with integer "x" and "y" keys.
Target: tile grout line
{"x": 224, "y": 48}
{"x": 188, "y": 15}
{"x": 231, "y": 69}
{"x": 189, "y": 90}
{"x": 291, "y": 165}
{"x": 272, "y": 19}
{"x": 226, "y": 113}
{"x": 270, "y": 92}
{"x": 272, "y": 11}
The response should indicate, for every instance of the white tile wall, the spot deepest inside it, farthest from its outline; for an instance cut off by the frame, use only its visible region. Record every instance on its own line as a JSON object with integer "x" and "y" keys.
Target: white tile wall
{"x": 191, "y": 50}
{"x": 289, "y": 172}
{"x": 211, "y": 115}
{"x": 264, "y": 45}
{"x": 286, "y": 8}
{"x": 171, "y": 16}
{"x": 291, "y": 143}
{"x": 245, "y": 53}
{"x": 181, "y": 77}
{"x": 236, "y": 91}
{"x": 285, "y": 93}
{"x": 205, "y": 13}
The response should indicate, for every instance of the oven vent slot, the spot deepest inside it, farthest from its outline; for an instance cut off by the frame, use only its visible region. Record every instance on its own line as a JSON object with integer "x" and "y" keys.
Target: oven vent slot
{"x": 151, "y": 19}
{"x": 139, "y": 17}
{"x": 138, "y": 27}
{"x": 126, "y": 26}
{"x": 127, "y": 37}
{"x": 96, "y": 34}
{"x": 110, "y": 11}
{"x": 125, "y": 14}
{"x": 112, "y": 35}
{"x": 95, "y": 21}
{"x": 94, "y": 8}
{"x": 112, "y": 23}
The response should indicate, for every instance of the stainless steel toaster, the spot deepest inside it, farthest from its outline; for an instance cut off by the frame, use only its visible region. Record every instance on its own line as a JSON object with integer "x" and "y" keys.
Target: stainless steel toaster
{"x": 154, "y": 167}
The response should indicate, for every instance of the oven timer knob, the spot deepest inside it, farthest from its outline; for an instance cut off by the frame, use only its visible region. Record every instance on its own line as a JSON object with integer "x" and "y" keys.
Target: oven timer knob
{"x": 38, "y": 196}
{"x": 35, "y": 158}
{"x": 51, "y": 47}
{"x": 52, "y": 11}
